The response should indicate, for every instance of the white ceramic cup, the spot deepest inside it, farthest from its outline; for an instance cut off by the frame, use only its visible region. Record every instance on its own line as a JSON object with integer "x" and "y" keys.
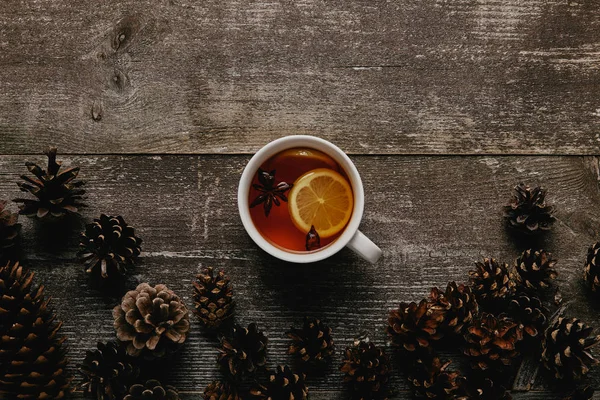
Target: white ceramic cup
{"x": 351, "y": 236}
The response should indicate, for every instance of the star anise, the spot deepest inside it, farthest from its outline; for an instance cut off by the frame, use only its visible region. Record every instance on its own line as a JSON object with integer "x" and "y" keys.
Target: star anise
{"x": 313, "y": 240}
{"x": 270, "y": 193}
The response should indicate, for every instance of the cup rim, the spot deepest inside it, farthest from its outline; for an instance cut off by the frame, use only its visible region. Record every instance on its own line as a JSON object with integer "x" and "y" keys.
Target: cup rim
{"x": 270, "y": 150}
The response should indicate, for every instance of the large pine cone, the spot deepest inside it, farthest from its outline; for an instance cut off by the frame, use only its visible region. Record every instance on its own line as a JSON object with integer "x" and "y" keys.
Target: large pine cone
{"x": 282, "y": 384}
{"x": 566, "y": 349}
{"x": 413, "y": 326}
{"x": 492, "y": 284}
{"x": 151, "y": 321}
{"x": 430, "y": 378}
{"x": 591, "y": 271}
{"x": 312, "y": 344}
{"x": 528, "y": 212}
{"x": 534, "y": 270}
{"x": 57, "y": 193}
{"x": 366, "y": 369}
{"x": 107, "y": 372}
{"x": 9, "y": 230}
{"x": 529, "y": 311}
{"x": 213, "y": 297}
{"x": 218, "y": 390}
{"x": 243, "y": 351}
{"x": 481, "y": 389}
{"x": 586, "y": 393}
{"x": 491, "y": 342}
{"x": 152, "y": 390}
{"x": 108, "y": 247}
{"x": 32, "y": 354}
{"x": 459, "y": 305}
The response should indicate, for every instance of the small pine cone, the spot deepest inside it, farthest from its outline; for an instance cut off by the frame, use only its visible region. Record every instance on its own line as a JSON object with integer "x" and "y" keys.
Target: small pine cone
{"x": 534, "y": 270}
{"x": 57, "y": 192}
{"x": 9, "y": 230}
{"x": 413, "y": 326}
{"x": 591, "y": 271}
{"x": 213, "y": 296}
{"x": 529, "y": 311}
{"x": 490, "y": 342}
{"x": 366, "y": 369}
{"x": 151, "y": 321}
{"x": 107, "y": 372}
{"x": 152, "y": 390}
{"x": 283, "y": 384}
{"x": 586, "y": 393}
{"x": 481, "y": 389}
{"x": 32, "y": 354}
{"x": 431, "y": 379}
{"x": 528, "y": 212}
{"x": 243, "y": 351}
{"x": 108, "y": 247}
{"x": 218, "y": 390}
{"x": 312, "y": 344}
{"x": 460, "y": 306}
{"x": 492, "y": 284}
{"x": 566, "y": 349}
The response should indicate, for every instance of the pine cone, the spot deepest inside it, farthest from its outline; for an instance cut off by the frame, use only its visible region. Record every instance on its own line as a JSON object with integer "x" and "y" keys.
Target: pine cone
{"x": 108, "y": 247}
{"x": 529, "y": 311}
{"x": 220, "y": 391}
{"x": 566, "y": 349}
{"x": 413, "y": 326}
{"x": 481, "y": 389}
{"x": 459, "y": 305}
{"x": 492, "y": 284}
{"x": 57, "y": 193}
{"x": 591, "y": 271}
{"x": 312, "y": 344}
{"x": 490, "y": 342}
{"x": 528, "y": 212}
{"x": 152, "y": 390}
{"x": 367, "y": 370}
{"x": 151, "y": 321}
{"x": 243, "y": 351}
{"x": 534, "y": 270}
{"x": 213, "y": 296}
{"x": 107, "y": 372}
{"x": 9, "y": 230}
{"x": 32, "y": 354}
{"x": 586, "y": 393}
{"x": 430, "y": 378}
{"x": 283, "y": 384}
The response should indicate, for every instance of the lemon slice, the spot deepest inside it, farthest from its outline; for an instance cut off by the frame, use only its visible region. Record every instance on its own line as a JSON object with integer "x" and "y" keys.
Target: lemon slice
{"x": 301, "y": 155}
{"x": 321, "y": 198}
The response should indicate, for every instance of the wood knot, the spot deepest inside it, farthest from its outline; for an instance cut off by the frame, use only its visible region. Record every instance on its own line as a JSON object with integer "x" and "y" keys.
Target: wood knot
{"x": 124, "y": 32}
{"x": 96, "y": 111}
{"x": 119, "y": 79}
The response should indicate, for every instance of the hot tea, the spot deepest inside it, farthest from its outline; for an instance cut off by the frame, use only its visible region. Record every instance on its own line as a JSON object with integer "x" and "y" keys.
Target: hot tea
{"x": 301, "y": 199}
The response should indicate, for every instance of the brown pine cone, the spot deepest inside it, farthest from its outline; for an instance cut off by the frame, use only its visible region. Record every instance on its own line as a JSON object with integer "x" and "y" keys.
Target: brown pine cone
{"x": 566, "y": 349}
{"x": 492, "y": 285}
{"x": 9, "y": 230}
{"x": 534, "y": 270}
{"x": 481, "y": 389}
{"x": 366, "y": 369}
{"x": 283, "y": 384}
{"x": 152, "y": 390}
{"x": 219, "y": 390}
{"x": 586, "y": 393}
{"x": 412, "y": 327}
{"x": 528, "y": 311}
{"x": 312, "y": 344}
{"x": 213, "y": 297}
{"x": 56, "y": 193}
{"x": 243, "y": 351}
{"x": 151, "y": 321}
{"x": 491, "y": 342}
{"x": 528, "y": 212}
{"x": 32, "y": 354}
{"x": 459, "y": 305}
{"x": 591, "y": 271}
{"x": 430, "y": 378}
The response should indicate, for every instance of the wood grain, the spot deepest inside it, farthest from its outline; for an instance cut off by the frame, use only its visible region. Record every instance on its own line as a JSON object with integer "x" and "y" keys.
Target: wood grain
{"x": 432, "y": 216}
{"x": 402, "y": 77}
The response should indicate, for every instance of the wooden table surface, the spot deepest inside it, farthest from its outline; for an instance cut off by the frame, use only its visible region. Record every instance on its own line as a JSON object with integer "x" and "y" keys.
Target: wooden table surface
{"x": 443, "y": 105}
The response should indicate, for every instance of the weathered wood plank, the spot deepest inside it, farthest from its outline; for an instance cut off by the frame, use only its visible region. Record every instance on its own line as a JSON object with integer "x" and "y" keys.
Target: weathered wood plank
{"x": 432, "y": 216}
{"x": 403, "y": 77}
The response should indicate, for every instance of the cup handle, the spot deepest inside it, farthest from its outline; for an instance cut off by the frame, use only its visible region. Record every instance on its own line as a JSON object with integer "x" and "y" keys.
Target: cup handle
{"x": 364, "y": 247}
